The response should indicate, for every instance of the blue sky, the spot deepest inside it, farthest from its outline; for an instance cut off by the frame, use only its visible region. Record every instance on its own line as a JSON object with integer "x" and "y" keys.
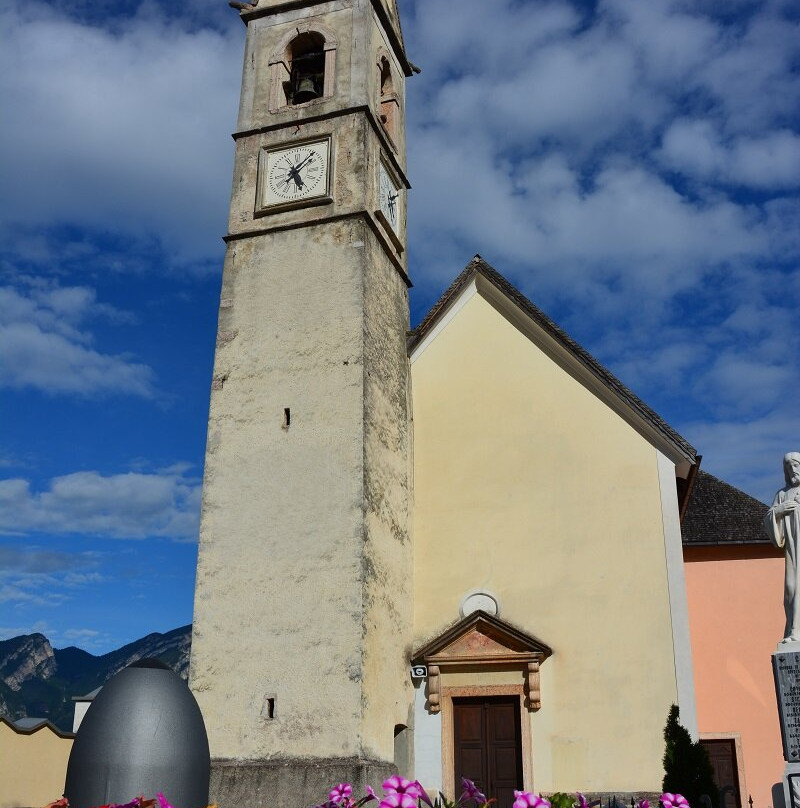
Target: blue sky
{"x": 633, "y": 167}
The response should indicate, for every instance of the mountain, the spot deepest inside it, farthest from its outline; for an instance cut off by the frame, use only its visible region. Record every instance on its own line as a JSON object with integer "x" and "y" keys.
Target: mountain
{"x": 38, "y": 680}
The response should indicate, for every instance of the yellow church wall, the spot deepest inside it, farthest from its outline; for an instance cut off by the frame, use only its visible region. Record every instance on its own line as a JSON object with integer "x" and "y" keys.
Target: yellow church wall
{"x": 530, "y": 487}
{"x": 32, "y": 766}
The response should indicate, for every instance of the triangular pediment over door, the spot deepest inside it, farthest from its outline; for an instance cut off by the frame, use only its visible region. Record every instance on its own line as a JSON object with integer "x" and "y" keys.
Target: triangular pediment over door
{"x": 482, "y": 640}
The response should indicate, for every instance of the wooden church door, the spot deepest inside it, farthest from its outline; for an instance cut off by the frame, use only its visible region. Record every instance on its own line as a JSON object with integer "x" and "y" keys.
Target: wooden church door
{"x": 487, "y": 746}
{"x": 722, "y": 754}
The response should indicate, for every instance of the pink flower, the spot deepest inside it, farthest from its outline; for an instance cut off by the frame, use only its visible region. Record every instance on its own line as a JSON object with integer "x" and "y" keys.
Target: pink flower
{"x": 162, "y": 801}
{"x": 643, "y": 804}
{"x": 423, "y": 795}
{"x": 397, "y": 799}
{"x": 341, "y": 793}
{"x": 471, "y": 792}
{"x": 524, "y": 799}
{"x": 371, "y": 792}
{"x": 581, "y": 803}
{"x": 399, "y": 785}
{"x": 674, "y": 801}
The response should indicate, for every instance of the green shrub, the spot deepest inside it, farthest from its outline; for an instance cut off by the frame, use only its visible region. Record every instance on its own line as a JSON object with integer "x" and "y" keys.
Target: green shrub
{"x": 687, "y": 769}
{"x": 562, "y": 800}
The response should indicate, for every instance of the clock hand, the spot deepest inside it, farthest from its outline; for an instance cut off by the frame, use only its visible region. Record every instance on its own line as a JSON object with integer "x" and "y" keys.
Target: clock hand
{"x": 301, "y": 164}
{"x": 294, "y": 174}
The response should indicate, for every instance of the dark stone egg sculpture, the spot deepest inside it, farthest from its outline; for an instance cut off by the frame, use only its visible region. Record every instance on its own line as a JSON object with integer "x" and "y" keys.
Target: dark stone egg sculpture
{"x": 143, "y": 733}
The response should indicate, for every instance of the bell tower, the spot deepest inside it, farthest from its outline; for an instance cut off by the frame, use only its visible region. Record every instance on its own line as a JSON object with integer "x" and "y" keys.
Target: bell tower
{"x": 302, "y": 616}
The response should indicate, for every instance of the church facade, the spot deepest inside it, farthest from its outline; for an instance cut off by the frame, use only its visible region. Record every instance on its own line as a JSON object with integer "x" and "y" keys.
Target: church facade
{"x": 453, "y": 552}
{"x": 546, "y": 492}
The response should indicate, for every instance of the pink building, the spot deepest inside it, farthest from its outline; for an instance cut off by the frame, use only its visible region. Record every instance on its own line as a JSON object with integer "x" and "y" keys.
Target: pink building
{"x": 734, "y": 583}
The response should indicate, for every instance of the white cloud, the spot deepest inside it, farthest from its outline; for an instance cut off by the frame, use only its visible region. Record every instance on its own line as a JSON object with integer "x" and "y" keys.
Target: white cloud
{"x": 39, "y": 627}
{"x": 752, "y": 79}
{"x": 33, "y": 577}
{"x": 44, "y": 344}
{"x": 544, "y": 135}
{"x": 36, "y": 562}
{"x": 537, "y": 148}
{"x": 772, "y": 161}
{"x": 630, "y": 226}
{"x": 746, "y": 382}
{"x": 670, "y": 43}
{"x": 124, "y": 129}
{"x": 29, "y": 592}
{"x": 695, "y": 148}
{"x": 747, "y": 453}
{"x": 120, "y": 506}
{"x": 553, "y": 152}
{"x": 482, "y": 37}
{"x": 89, "y": 639}
{"x": 667, "y": 365}
{"x": 81, "y": 635}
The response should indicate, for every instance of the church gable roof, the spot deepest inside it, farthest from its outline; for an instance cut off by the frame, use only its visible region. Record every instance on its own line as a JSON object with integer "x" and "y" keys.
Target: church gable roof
{"x": 720, "y": 514}
{"x": 560, "y": 346}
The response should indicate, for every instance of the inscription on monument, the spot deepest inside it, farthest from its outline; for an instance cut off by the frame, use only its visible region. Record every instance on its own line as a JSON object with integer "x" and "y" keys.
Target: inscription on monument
{"x": 786, "y": 666}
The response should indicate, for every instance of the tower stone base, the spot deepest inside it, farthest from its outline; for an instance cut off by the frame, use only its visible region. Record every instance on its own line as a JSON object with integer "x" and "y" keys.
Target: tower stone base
{"x": 291, "y": 783}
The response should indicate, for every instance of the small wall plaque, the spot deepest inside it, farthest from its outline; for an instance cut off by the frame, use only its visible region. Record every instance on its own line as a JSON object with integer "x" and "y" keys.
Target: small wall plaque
{"x": 786, "y": 667}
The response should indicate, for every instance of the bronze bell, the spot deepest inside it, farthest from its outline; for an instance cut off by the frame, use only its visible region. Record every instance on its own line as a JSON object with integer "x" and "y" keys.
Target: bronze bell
{"x": 305, "y": 91}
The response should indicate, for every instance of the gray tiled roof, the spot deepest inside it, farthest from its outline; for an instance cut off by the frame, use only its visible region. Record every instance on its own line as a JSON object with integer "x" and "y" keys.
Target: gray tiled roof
{"x": 30, "y": 725}
{"x": 718, "y": 513}
{"x": 29, "y": 722}
{"x": 479, "y": 266}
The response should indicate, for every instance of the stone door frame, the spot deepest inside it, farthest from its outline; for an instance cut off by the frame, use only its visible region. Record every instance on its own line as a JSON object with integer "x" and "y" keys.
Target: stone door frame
{"x": 448, "y": 730}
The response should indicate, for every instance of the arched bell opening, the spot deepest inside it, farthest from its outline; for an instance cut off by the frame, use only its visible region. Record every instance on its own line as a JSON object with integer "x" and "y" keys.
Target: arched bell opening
{"x": 389, "y": 103}
{"x": 306, "y": 59}
{"x": 302, "y": 66}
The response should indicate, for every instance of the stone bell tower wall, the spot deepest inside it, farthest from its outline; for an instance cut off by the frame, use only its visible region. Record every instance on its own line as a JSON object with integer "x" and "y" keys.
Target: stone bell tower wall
{"x": 388, "y": 608}
{"x": 302, "y": 580}
{"x": 303, "y": 611}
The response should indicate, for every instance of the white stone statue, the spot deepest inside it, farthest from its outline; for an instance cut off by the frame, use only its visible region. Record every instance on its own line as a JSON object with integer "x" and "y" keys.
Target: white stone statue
{"x": 782, "y": 524}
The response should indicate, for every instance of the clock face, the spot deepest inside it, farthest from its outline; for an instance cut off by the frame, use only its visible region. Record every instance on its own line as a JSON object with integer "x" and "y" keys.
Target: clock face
{"x": 389, "y": 198}
{"x": 295, "y": 173}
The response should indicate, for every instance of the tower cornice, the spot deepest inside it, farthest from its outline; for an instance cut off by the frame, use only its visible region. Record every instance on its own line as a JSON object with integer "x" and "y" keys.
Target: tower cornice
{"x": 336, "y": 217}
{"x": 267, "y": 7}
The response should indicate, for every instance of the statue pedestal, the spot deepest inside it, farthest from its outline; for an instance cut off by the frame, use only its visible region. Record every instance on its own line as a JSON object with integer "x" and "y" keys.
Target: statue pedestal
{"x": 786, "y": 669}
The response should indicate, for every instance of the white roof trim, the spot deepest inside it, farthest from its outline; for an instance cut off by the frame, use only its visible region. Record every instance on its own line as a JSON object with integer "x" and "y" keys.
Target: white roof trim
{"x": 467, "y": 293}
